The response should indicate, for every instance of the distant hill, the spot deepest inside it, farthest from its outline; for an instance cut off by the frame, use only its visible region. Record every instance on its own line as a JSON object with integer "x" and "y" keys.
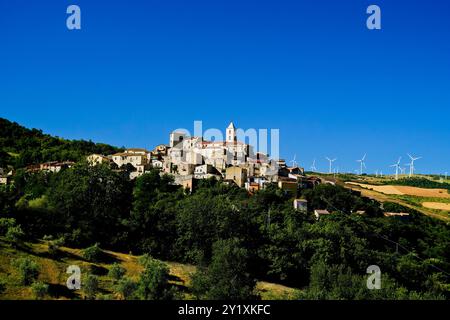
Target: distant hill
{"x": 20, "y": 146}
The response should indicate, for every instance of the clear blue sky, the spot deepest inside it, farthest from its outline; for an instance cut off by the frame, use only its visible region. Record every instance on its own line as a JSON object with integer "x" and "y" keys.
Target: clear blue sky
{"x": 139, "y": 69}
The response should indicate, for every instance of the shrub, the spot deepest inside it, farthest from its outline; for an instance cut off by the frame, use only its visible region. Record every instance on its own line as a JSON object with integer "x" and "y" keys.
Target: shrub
{"x": 127, "y": 288}
{"x": 53, "y": 246}
{"x": 5, "y": 224}
{"x": 116, "y": 272}
{"x": 90, "y": 286}
{"x": 92, "y": 254}
{"x": 28, "y": 270}
{"x": 47, "y": 237}
{"x": 154, "y": 281}
{"x": 14, "y": 234}
{"x": 39, "y": 289}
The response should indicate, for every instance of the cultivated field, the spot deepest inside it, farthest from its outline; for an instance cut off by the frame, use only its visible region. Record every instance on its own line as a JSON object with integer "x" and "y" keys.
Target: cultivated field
{"x": 437, "y": 205}
{"x": 404, "y": 190}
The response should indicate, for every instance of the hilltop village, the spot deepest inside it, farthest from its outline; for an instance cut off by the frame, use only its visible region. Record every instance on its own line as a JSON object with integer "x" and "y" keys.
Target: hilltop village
{"x": 190, "y": 159}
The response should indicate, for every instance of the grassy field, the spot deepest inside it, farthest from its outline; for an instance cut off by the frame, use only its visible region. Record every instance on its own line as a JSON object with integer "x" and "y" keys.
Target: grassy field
{"x": 53, "y": 273}
{"x": 413, "y": 200}
{"x": 405, "y": 190}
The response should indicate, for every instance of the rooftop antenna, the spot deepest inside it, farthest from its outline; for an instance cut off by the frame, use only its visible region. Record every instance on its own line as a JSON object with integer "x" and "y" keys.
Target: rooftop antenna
{"x": 331, "y": 163}
{"x": 411, "y": 165}
{"x": 397, "y": 166}
{"x": 362, "y": 164}
{"x": 313, "y": 166}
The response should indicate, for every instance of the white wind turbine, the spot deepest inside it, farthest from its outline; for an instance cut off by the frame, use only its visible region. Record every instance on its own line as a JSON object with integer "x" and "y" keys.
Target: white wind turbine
{"x": 362, "y": 164}
{"x": 411, "y": 165}
{"x": 397, "y": 166}
{"x": 331, "y": 163}
{"x": 313, "y": 166}
{"x": 294, "y": 163}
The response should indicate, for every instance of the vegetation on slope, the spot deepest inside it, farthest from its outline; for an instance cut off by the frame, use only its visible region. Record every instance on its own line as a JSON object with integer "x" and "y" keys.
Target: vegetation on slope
{"x": 233, "y": 238}
{"x": 20, "y": 146}
{"x": 217, "y": 223}
{"x": 51, "y": 278}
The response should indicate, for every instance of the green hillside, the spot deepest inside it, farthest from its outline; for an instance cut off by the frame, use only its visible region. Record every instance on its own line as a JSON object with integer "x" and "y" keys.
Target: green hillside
{"x": 53, "y": 266}
{"x": 20, "y": 146}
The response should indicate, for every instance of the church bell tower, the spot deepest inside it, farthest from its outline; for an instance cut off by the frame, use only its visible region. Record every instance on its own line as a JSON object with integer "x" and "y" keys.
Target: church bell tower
{"x": 231, "y": 133}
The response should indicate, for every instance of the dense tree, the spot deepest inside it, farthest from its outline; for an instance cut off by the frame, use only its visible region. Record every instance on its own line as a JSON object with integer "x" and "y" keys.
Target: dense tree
{"x": 93, "y": 253}
{"x": 39, "y": 289}
{"x": 28, "y": 270}
{"x": 90, "y": 286}
{"x": 116, "y": 272}
{"x": 154, "y": 280}
{"x": 152, "y": 220}
{"x": 126, "y": 288}
{"x": 90, "y": 203}
{"x": 227, "y": 276}
{"x": 21, "y": 146}
{"x": 14, "y": 235}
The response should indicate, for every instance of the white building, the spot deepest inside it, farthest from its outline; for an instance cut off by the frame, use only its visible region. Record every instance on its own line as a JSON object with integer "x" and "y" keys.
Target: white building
{"x": 301, "y": 205}
{"x": 206, "y": 171}
{"x": 95, "y": 159}
{"x": 319, "y": 213}
{"x": 195, "y": 150}
{"x": 135, "y": 159}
